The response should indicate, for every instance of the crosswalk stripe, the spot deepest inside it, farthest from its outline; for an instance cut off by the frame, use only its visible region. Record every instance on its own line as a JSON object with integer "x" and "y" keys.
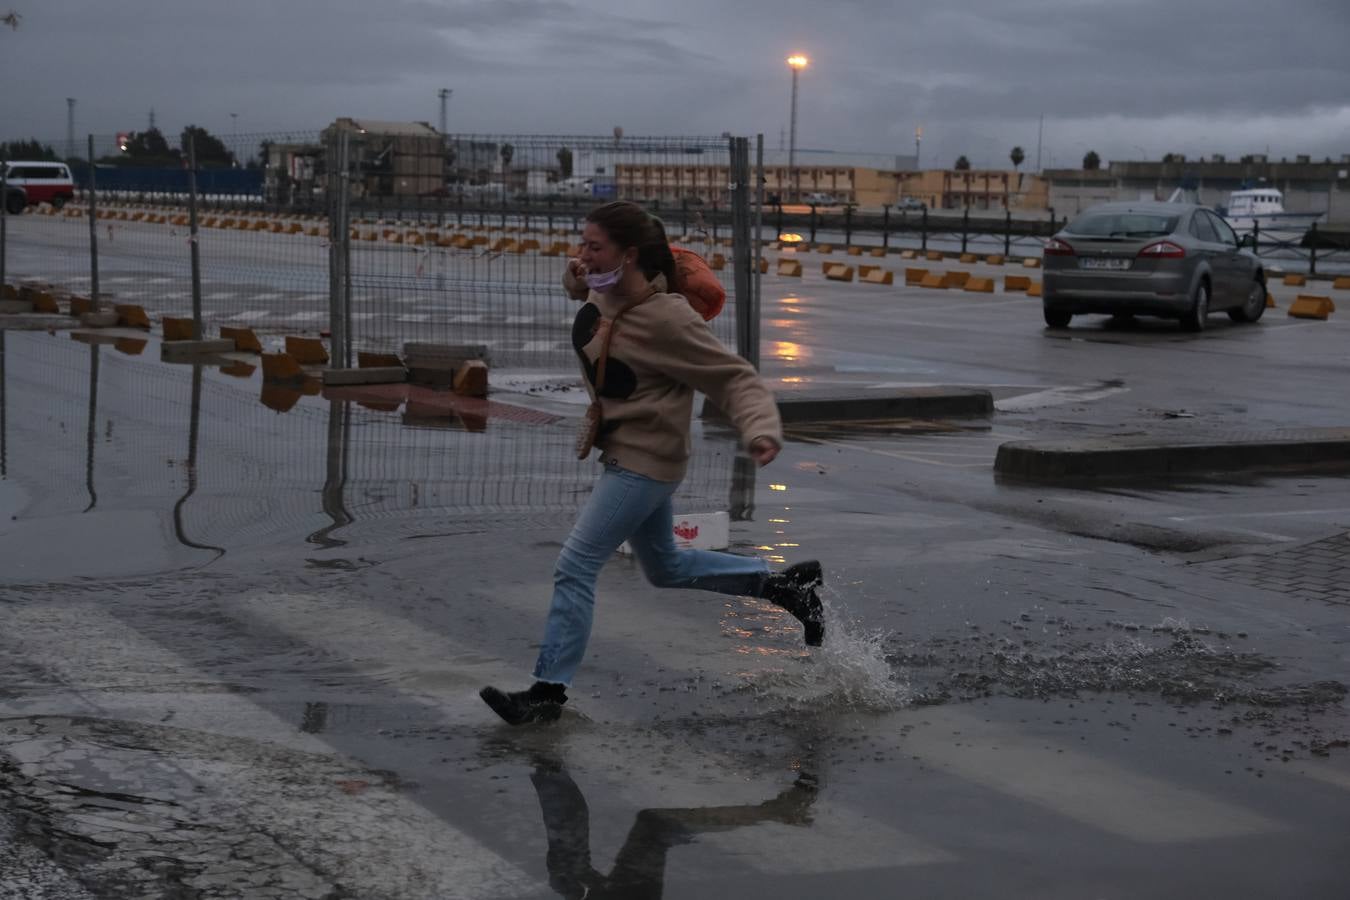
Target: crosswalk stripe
{"x": 407, "y": 839}
{"x": 1086, "y": 788}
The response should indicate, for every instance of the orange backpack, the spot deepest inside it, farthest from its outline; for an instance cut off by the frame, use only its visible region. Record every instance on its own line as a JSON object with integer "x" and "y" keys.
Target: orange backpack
{"x": 696, "y": 281}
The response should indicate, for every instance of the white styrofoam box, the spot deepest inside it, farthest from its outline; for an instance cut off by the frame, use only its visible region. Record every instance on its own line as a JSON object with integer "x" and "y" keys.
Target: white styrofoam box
{"x": 698, "y": 531}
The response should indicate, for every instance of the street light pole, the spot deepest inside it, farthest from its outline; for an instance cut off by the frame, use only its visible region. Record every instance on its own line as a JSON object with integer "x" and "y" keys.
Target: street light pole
{"x": 444, "y": 94}
{"x": 797, "y": 62}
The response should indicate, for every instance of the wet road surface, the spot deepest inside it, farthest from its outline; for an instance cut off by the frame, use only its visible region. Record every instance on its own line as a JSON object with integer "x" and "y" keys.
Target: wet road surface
{"x": 243, "y": 633}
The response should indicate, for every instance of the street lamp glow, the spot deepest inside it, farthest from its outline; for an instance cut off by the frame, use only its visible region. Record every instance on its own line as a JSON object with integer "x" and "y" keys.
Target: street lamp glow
{"x": 798, "y": 62}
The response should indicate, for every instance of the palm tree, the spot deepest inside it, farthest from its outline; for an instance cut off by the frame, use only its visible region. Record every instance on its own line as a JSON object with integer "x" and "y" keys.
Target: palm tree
{"x": 1017, "y": 156}
{"x": 962, "y": 164}
{"x": 1092, "y": 162}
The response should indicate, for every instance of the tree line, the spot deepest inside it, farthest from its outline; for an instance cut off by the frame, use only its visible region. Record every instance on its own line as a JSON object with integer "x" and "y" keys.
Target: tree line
{"x": 143, "y": 149}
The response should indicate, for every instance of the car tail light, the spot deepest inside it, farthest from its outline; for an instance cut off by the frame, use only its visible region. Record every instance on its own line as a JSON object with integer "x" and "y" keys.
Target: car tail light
{"x": 1056, "y": 247}
{"x": 1163, "y": 250}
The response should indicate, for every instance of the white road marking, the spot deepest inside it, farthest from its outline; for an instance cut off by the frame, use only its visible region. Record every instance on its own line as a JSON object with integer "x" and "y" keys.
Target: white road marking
{"x": 305, "y": 317}
{"x": 519, "y": 320}
{"x": 543, "y": 346}
{"x": 415, "y": 317}
{"x": 251, "y": 315}
{"x": 1058, "y": 396}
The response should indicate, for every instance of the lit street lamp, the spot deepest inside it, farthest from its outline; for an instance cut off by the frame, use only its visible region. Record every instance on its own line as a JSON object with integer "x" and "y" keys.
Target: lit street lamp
{"x": 796, "y": 62}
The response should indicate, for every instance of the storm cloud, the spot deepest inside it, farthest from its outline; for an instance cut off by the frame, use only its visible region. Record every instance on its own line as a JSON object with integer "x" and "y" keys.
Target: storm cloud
{"x": 1129, "y": 78}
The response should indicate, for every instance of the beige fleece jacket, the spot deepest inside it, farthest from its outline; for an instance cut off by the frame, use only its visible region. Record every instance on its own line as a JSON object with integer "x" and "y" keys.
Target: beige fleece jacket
{"x": 661, "y": 352}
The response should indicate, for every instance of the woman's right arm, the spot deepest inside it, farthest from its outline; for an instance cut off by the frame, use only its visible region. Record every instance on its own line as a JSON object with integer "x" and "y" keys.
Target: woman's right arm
{"x": 574, "y": 280}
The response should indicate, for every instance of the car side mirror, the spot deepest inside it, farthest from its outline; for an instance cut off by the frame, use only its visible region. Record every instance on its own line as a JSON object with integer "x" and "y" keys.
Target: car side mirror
{"x": 1247, "y": 240}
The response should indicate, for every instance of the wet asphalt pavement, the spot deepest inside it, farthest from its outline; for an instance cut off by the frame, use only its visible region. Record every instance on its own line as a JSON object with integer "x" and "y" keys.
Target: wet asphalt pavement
{"x": 243, "y": 632}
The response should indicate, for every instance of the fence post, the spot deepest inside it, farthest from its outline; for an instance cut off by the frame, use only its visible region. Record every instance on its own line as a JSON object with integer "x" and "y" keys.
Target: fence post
{"x": 1256, "y": 237}
{"x": 4, "y": 219}
{"x": 759, "y": 248}
{"x": 965, "y": 227}
{"x": 93, "y": 229}
{"x": 1007, "y": 232}
{"x": 885, "y": 226}
{"x": 339, "y": 249}
{"x": 1312, "y": 249}
{"x": 813, "y": 223}
{"x": 740, "y": 250}
{"x": 192, "y": 241}
{"x": 848, "y": 224}
{"x": 923, "y": 234}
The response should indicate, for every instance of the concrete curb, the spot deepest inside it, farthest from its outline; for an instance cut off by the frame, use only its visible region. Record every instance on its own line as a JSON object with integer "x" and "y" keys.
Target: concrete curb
{"x": 1126, "y": 456}
{"x": 907, "y": 403}
{"x": 37, "y": 322}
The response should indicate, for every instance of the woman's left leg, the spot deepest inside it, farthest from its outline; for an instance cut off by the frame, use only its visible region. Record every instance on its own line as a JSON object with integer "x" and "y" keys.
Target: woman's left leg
{"x": 667, "y": 566}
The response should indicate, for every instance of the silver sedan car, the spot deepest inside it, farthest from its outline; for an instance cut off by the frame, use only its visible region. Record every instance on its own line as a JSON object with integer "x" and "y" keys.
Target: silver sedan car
{"x": 1174, "y": 260}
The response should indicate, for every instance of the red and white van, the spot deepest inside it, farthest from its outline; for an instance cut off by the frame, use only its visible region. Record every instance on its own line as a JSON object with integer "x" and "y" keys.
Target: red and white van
{"x": 40, "y": 182}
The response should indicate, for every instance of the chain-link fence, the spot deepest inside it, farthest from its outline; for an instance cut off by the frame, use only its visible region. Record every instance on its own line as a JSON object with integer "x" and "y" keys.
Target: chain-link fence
{"x": 376, "y": 233}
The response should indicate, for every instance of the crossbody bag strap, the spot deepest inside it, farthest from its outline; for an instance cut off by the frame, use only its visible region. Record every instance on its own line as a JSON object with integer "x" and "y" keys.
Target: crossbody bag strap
{"x": 609, "y": 325}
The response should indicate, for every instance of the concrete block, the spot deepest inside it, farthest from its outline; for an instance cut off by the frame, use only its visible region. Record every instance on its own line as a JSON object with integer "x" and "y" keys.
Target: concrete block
{"x": 790, "y": 268}
{"x": 1034, "y": 289}
{"x": 908, "y": 254}
{"x": 1308, "y": 307}
{"x": 244, "y": 339}
{"x": 80, "y": 305}
{"x": 1295, "y": 280}
{"x": 307, "y": 351}
{"x": 933, "y": 280}
{"x": 1270, "y": 300}
{"x": 9, "y": 292}
{"x": 855, "y": 251}
{"x": 878, "y": 252}
{"x": 878, "y": 275}
{"x": 934, "y": 255}
{"x": 718, "y": 262}
{"x": 1013, "y": 283}
{"x": 763, "y": 266}
{"x": 281, "y": 367}
{"x": 471, "y": 379}
{"x": 840, "y": 272}
{"x": 980, "y": 285}
{"x": 968, "y": 258}
{"x": 1341, "y": 284}
{"x": 957, "y": 278}
{"x": 238, "y": 370}
{"x": 370, "y": 375}
{"x": 104, "y": 318}
{"x": 132, "y": 316}
{"x": 864, "y": 270}
{"x": 994, "y": 259}
{"x": 825, "y": 248}
{"x": 128, "y": 346}
{"x": 45, "y": 302}
{"x": 1031, "y": 262}
{"x": 191, "y": 351}
{"x": 914, "y": 276}
{"x": 178, "y": 329}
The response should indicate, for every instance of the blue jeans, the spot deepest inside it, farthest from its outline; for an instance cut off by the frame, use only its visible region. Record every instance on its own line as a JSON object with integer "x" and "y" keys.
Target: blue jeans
{"x": 626, "y": 506}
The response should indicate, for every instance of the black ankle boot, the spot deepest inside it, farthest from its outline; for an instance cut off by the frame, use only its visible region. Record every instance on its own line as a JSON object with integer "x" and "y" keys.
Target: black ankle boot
{"x": 794, "y": 589}
{"x": 543, "y": 702}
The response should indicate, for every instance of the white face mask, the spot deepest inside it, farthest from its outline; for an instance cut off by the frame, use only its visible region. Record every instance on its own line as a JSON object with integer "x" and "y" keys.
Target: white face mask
{"x": 604, "y": 282}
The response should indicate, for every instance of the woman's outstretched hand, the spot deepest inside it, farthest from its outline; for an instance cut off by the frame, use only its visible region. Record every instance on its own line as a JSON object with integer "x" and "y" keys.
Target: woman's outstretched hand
{"x": 763, "y": 450}
{"x": 574, "y": 280}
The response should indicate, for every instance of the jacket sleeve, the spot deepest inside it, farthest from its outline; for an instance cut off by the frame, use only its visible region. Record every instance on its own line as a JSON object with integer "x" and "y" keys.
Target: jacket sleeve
{"x": 691, "y": 354}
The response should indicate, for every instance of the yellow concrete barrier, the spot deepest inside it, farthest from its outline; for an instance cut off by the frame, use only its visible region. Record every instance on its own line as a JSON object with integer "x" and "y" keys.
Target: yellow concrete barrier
{"x": 969, "y": 258}
{"x": 763, "y": 265}
{"x": 855, "y": 251}
{"x": 840, "y": 272}
{"x": 45, "y": 302}
{"x": 1341, "y": 284}
{"x": 934, "y": 280}
{"x": 934, "y": 255}
{"x": 957, "y": 278}
{"x": 863, "y": 270}
{"x": 1293, "y": 280}
{"x": 1031, "y": 262}
{"x": 244, "y": 339}
{"x": 790, "y": 268}
{"x": 1309, "y": 307}
{"x": 718, "y": 262}
{"x": 131, "y": 316}
{"x": 1034, "y": 290}
{"x": 281, "y": 367}
{"x": 878, "y": 275}
{"x": 80, "y": 305}
{"x": 529, "y": 244}
{"x": 994, "y": 259}
{"x": 306, "y": 351}
{"x": 1270, "y": 301}
{"x": 877, "y": 252}
{"x": 1013, "y": 283}
{"x": 824, "y": 248}
{"x": 914, "y": 276}
{"x": 178, "y": 329}
{"x": 980, "y": 285}
{"x": 908, "y": 254}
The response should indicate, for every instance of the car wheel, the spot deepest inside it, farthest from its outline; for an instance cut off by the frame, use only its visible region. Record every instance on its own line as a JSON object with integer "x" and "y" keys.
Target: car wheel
{"x": 58, "y": 202}
{"x": 1194, "y": 319}
{"x": 1055, "y": 318}
{"x": 1253, "y": 307}
{"x": 15, "y": 203}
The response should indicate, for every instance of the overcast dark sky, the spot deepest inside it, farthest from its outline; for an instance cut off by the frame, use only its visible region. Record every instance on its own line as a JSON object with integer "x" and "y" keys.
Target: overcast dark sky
{"x": 1128, "y": 78}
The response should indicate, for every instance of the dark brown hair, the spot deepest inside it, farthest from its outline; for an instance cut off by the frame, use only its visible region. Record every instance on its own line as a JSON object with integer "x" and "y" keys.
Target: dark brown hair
{"x": 629, "y": 225}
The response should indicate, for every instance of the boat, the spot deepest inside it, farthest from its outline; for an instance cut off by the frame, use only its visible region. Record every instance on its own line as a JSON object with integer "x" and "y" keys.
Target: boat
{"x": 1263, "y": 208}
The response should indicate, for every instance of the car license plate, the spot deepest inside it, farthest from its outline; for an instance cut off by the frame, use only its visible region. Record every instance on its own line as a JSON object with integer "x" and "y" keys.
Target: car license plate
{"x": 1103, "y": 262}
